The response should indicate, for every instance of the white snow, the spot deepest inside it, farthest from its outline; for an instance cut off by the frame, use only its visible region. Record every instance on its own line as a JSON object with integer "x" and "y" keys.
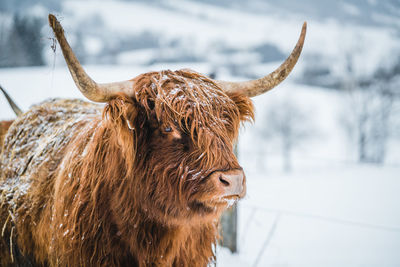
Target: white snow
{"x": 345, "y": 216}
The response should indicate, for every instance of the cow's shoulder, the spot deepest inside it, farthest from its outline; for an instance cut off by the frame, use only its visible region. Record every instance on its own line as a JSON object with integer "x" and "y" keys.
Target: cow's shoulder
{"x": 37, "y": 139}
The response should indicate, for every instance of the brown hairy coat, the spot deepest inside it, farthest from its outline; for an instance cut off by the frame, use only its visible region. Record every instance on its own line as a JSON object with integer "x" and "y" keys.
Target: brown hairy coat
{"x": 4, "y": 125}
{"x": 129, "y": 187}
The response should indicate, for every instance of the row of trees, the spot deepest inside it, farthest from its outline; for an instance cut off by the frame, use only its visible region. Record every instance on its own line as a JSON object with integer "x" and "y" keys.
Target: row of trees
{"x": 20, "y": 42}
{"x": 23, "y": 6}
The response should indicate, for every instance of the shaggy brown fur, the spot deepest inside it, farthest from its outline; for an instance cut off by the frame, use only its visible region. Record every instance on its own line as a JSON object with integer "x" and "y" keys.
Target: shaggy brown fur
{"x": 128, "y": 188}
{"x": 4, "y": 125}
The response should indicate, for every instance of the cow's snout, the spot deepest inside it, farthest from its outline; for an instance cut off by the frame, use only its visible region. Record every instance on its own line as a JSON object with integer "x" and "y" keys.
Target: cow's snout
{"x": 230, "y": 183}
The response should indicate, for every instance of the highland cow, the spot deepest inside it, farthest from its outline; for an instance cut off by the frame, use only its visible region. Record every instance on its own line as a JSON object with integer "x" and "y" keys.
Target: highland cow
{"x": 141, "y": 181}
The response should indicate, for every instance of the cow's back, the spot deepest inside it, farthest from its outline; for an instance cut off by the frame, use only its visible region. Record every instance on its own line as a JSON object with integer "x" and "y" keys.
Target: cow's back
{"x": 33, "y": 149}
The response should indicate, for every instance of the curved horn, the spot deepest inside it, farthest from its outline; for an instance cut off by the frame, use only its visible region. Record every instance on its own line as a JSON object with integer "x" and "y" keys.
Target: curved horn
{"x": 88, "y": 87}
{"x": 262, "y": 85}
{"x": 14, "y": 106}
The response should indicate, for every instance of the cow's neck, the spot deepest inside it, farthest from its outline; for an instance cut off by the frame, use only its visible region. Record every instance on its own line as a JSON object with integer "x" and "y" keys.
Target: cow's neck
{"x": 182, "y": 245}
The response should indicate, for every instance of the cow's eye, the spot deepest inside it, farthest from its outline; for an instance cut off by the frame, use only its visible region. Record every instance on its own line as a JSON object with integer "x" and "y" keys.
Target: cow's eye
{"x": 168, "y": 129}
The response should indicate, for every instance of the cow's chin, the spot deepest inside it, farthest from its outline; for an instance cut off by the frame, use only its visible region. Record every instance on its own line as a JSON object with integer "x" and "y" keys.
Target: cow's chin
{"x": 211, "y": 209}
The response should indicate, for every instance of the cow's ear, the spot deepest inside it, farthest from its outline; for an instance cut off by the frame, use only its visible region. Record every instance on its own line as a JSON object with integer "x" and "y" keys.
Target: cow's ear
{"x": 245, "y": 106}
{"x": 121, "y": 112}
{"x": 120, "y": 116}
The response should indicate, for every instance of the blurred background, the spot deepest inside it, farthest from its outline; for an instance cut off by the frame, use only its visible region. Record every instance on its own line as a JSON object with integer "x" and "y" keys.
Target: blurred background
{"x": 323, "y": 156}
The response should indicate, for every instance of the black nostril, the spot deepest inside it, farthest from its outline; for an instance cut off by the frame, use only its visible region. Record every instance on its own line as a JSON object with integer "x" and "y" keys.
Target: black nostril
{"x": 223, "y": 181}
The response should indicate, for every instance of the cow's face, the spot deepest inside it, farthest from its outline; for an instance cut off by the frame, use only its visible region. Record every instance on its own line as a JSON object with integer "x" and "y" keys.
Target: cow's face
{"x": 185, "y": 128}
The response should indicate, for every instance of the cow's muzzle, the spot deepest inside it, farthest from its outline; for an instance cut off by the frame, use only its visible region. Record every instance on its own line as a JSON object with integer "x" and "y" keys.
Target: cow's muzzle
{"x": 231, "y": 183}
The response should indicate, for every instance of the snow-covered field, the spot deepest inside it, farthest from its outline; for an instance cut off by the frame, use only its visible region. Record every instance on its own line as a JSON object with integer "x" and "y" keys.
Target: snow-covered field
{"x": 328, "y": 211}
{"x": 347, "y": 216}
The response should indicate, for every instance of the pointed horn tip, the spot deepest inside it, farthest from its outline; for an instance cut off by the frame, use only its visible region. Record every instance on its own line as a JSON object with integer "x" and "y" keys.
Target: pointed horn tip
{"x": 303, "y": 30}
{"x": 288, "y": 65}
{"x": 303, "y": 35}
{"x": 54, "y": 23}
{"x": 52, "y": 20}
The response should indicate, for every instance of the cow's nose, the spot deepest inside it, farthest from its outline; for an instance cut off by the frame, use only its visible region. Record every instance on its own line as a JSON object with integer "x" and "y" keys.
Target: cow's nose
{"x": 230, "y": 183}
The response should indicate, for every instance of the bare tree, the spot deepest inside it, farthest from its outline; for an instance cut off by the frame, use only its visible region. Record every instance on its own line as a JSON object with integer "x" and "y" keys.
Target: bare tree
{"x": 369, "y": 118}
{"x": 290, "y": 124}
{"x": 371, "y": 110}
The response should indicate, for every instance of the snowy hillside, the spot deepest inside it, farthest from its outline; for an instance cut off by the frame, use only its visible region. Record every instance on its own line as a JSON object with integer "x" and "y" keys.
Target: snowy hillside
{"x": 203, "y": 28}
{"x": 232, "y": 36}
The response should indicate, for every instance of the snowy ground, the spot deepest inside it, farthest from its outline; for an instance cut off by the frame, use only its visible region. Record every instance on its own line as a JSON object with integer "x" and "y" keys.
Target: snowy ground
{"x": 346, "y": 216}
{"x": 328, "y": 212}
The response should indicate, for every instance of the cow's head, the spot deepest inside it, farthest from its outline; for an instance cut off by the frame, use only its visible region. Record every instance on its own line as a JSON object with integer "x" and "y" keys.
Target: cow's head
{"x": 178, "y": 129}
